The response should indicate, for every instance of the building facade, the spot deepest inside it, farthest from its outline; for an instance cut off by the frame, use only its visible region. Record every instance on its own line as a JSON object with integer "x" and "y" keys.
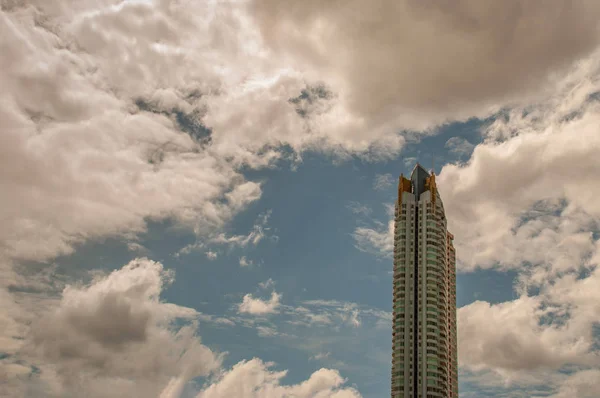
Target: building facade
{"x": 424, "y": 358}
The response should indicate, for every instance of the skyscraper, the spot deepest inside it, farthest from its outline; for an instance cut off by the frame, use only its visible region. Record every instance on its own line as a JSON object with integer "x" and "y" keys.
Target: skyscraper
{"x": 424, "y": 359}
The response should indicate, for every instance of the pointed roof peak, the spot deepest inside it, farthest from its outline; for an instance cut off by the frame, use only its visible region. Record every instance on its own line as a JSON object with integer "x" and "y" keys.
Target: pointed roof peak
{"x": 419, "y": 177}
{"x": 418, "y": 166}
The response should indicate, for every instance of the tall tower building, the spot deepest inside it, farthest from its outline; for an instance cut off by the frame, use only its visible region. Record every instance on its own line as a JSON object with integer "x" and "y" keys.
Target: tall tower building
{"x": 424, "y": 359}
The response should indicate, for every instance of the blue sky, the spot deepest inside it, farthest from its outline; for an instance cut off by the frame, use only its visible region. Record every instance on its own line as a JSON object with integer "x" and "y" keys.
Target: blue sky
{"x": 196, "y": 195}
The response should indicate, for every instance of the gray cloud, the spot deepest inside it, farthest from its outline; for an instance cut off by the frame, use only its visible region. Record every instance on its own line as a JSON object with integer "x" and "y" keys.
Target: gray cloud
{"x": 430, "y": 59}
{"x": 113, "y": 322}
{"x": 112, "y": 330}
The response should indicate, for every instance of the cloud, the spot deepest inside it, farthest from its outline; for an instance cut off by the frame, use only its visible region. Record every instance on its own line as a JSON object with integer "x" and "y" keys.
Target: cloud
{"x": 304, "y": 316}
{"x": 532, "y": 383}
{"x": 523, "y": 184}
{"x": 378, "y": 241}
{"x": 583, "y": 384}
{"x": 409, "y": 161}
{"x": 316, "y": 105}
{"x": 113, "y": 330}
{"x": 352, "y": 318}
{"x": 259, "y": 231}
{"x": 321, "y": 356}
{"x": 508, "y": 337}
{"x": 459, "y": 146}
{"x": 266, "y": 331}
{"x": 211, "y": 255}
{"x": 136, "y": 247}
{"x": 255, "y": 236}
{"x": 256, "y": 306}
{"x": 266, "y": 284}
{"x": 215, "y": 320}
{"x": 332, "y": 312}
{"x": 383, "y": 58}
{"x": 359, "y": 209}
{"x": 312, "y": 314}
{"x": 254, "y": 379}
{"x": 321, "y": 326}
{"x": 383, "y": 182}
{"x": 244, "y": 262}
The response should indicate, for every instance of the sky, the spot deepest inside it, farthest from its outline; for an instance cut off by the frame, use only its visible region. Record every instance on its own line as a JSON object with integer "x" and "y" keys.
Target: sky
{"x": 197, "y": 195}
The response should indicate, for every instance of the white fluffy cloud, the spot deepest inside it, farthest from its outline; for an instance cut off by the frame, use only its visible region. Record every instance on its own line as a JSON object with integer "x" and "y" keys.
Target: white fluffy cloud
{"x": 211, "y": 255}
{"x": 254, "y": 379}
{"x": 508, "y": 337}
{"x": 245, "y": 262}
{"x": 256, "y": 306}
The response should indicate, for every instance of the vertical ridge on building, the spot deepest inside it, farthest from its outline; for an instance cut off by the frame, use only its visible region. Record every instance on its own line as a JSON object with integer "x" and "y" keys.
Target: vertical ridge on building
{"x": 424, "y": 355}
